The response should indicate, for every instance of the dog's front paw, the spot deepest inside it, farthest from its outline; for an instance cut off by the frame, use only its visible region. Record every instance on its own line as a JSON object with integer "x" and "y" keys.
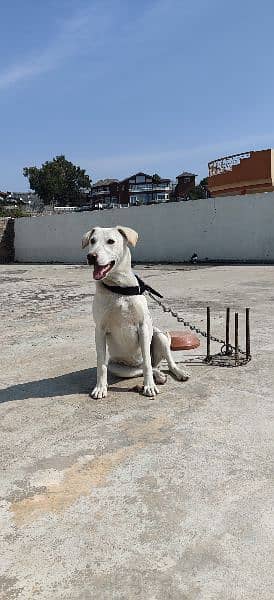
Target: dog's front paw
{"x": 100, "y": 391}
{"x": 150, "y": 390}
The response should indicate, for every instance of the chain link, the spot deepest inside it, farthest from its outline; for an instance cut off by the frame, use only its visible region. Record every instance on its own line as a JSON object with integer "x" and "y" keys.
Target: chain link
{"x": 193, "y": 327}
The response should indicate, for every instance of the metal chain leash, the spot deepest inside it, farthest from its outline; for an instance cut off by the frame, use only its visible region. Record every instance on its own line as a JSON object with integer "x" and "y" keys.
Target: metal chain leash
{"x": 193, "y": 327}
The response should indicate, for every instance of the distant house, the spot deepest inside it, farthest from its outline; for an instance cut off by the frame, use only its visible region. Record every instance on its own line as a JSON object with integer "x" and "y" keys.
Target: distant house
{"x": 185, "y": 183}
{"x": 105, "y": 192}
{"x": 9, "y": 201}
{"x": 24, "y": 200}
{"x": 142, "y": 188}
{"x": 4, "y": 196}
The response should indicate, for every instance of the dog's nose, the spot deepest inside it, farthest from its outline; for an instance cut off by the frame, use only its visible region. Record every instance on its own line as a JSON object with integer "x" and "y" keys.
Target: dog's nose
{"x": 91, "y": 258}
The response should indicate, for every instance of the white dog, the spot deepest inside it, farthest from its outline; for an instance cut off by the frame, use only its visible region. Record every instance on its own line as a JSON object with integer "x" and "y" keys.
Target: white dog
{"x": 121, "y": 315}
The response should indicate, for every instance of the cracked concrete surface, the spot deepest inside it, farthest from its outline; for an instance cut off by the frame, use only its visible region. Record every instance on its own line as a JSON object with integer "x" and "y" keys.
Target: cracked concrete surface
{"x": 130, "y": 497}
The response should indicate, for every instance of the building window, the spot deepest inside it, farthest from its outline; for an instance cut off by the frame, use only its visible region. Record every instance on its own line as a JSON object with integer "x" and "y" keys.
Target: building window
{"x": 187, "y": 179}
{"x": 133, "y": 200}
{"x": 144, "y": 198}
{"x": 140, "y": 179}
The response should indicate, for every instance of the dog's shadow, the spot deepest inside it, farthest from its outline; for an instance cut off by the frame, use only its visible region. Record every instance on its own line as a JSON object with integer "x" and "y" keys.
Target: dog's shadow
{"x": 78, "y": 382}
{"x": 75, "y": 383}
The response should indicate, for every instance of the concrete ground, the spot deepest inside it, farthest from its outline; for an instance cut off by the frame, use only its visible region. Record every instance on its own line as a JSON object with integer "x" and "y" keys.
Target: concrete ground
{"x": 130, "y": 497}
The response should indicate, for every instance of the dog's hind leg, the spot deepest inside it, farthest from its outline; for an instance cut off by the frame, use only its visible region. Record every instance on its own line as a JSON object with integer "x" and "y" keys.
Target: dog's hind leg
{"x": 161, "y": 351}
{"x": 159, "y": 377}
{"x": 127, "y": 372}
{"x": 124, "y": 371}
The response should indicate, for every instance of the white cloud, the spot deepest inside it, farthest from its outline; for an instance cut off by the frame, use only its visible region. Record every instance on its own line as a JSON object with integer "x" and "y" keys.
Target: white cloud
{"x": 74, "y": 37}
{"x": 99, "y": 27}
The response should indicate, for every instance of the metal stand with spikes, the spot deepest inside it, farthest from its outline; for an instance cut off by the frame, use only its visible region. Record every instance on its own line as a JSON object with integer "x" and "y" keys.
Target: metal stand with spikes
{"x": 230, "y": 356}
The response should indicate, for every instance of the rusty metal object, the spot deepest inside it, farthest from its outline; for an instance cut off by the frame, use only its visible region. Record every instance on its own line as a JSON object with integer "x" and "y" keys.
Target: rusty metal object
{"x": 183, "y": 340}
{"x": 208, "y": 357}
{"x": 236, "y": 341}
{"x": 227, "y": 331}
{"x": 223, "y": 358}
{"x": 247, "y": 334}
{"x": 228, "y": 347}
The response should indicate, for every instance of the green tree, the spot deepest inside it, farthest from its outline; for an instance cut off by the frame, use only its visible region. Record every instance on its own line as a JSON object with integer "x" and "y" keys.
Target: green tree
{"x": 200, "y": 190}
{"x": 59, "y": 182}
{"x": 13, "y": 212}
{"x": 156, "y": 177}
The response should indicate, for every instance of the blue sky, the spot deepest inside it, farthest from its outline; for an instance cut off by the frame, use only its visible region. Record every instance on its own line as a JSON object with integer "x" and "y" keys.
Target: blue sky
{"x": 120, "y": 86}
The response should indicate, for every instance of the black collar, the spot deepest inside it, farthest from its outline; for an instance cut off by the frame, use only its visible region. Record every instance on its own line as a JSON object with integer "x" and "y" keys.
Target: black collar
{"x": 135, "y": 290}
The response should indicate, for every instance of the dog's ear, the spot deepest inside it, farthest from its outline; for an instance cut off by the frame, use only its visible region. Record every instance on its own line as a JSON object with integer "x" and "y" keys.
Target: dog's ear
{"x": 130, "y": 235}
{"x": 86, "y": 238}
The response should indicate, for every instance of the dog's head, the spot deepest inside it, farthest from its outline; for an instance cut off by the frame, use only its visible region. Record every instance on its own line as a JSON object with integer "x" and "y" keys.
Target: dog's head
{"x": 107, "y": 247}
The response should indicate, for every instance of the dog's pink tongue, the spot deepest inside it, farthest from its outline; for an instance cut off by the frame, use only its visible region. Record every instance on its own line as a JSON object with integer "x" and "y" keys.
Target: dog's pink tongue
{"x": 100, "y": 271}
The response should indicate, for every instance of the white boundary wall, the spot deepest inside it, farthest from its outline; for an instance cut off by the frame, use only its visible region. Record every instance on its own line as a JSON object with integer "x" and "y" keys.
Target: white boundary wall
{"x": 237, "y": 228}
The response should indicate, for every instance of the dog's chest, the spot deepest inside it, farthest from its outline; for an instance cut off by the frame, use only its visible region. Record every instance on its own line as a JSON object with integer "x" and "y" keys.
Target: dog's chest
{"x": 122, "y": 312}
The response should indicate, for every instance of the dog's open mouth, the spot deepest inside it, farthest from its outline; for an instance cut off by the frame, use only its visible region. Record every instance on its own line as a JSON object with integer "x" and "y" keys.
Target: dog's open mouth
{"x": 100, "y": 271}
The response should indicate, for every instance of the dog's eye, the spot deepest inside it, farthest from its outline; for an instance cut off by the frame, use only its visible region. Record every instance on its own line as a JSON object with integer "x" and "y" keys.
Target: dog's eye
{"x": 92, "y": 241}
{"x": 111, "y": 241}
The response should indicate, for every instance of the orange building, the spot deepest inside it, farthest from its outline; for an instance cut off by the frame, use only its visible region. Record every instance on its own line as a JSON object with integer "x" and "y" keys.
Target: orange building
{"x": 246, "y": 173}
